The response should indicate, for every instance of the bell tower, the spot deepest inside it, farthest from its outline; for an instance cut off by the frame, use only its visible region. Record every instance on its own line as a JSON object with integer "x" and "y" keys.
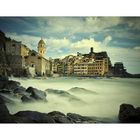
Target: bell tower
{"x": 41, "y": 47}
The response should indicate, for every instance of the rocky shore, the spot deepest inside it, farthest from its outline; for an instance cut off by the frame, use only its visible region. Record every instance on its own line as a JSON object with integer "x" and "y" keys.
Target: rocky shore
{"x": 13, "y": 89}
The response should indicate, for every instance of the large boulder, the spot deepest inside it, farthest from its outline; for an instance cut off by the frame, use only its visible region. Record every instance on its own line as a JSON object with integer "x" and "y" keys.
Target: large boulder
{"x": 33, "y": 117}
{"x": 60, "y": 117}
{"x": 5, "y": 116}
{"x": 20, "y": 91}
{"x": 3, "y": 78}
{"x": 36, "y": 94}
{"x": 11, "y": 85}
{"x": 129, "y": 114}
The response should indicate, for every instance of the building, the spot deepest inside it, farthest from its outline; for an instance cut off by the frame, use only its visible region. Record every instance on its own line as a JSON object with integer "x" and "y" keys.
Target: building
{"x": 68, "y": 65}
{"x": 18, "y": 60}
{"x": 15, "y": 54}
{"x": 4, "y": 69}
{"x": 92, "y": 64}
{"x": 37, "y": 60}
{"x": 41, "y": 48}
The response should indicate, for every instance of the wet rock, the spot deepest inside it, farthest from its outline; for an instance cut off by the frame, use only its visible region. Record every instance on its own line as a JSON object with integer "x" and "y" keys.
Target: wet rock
{"x": 62, "y": 93}
{"x": 79, "y": 90}
{"x": 60, "y": 117}
{"x": 34, "y": 117}
{"x": 58, "y": 92}
{"x": 17, "y": 119}
{"x": 20, "y": 90}
{"x": 7, "y": 99}
{"x": 5, "y": 116}
{"x": 26, "y": 99}
{"x": 76, "y": 118}
{"x": 11, "y": 85}
{"x": 6, "y": 91}
{"x": 36, "y": 94}
{"x": 3, "y": 78}
{"x": 129, "y": 114}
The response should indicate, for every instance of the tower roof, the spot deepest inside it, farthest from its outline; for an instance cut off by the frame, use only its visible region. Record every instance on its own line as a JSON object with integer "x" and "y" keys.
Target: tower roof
{"x": 41, "y": 42}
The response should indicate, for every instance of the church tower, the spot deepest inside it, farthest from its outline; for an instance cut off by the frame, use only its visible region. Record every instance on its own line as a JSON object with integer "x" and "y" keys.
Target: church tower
{"x": 41, "y": 47}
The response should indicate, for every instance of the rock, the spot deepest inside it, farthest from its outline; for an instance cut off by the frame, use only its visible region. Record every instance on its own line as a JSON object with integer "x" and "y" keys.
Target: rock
{"x": 7, "y": 99}
{"x": 37, "y": 94}
{"x": 79, "y": 90}
{"x": 76, "y": 118}
{"x": 26, "y": 99}
{"x": 138, "y": 110}
{"x": 60, "y": 117}
{"x": 6, "y": 92}
{"x": 34, "y": 117}
{"x": 3, "y": 78}
{"x": 20, "y": 90}
{"x": 21, "y": 93}
{"x": 128, "y": 114}
{"x": 11, "y": 85}
{"x": 56, "y": 113}
{"x": 58, "y": 92}
{"x": 2, "y": 84}
{"x": 63, "y": 93}
{"x": 17, "y": 119}
{"x": 5, "y": 116}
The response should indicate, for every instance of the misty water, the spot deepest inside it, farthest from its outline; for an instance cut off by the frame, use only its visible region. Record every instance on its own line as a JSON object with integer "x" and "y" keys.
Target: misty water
{"x": 100, "y": 97}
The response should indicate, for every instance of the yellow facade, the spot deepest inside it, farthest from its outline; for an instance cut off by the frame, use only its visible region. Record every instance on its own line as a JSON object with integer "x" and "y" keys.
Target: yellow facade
{"x": 90, "y": 66}
{"x": 41, "y": 48}
{"x": 36, "y": 60}
{"x": 24, "y": 50}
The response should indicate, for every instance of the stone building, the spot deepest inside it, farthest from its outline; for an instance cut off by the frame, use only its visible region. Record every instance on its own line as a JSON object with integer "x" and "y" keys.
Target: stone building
{"x": 37, "y": 61}
{"x": 19, "y": 60}
{"x": 4, "y": 69}
{"x": 15, "y": 53}
{"x": 41, "y": 48}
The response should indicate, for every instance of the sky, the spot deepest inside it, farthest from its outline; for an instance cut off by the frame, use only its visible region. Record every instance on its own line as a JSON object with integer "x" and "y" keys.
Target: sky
{"x": 119, "y": 36}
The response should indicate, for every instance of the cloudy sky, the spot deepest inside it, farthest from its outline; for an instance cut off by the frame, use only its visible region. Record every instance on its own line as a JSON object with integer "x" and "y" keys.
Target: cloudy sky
{"x": 119, "y": 36}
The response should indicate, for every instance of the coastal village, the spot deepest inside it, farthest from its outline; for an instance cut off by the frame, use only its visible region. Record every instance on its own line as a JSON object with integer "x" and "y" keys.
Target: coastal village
{"x": 17, "y": 59}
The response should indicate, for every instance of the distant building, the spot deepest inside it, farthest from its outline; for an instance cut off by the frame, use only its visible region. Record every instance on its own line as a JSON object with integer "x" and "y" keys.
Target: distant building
{"x": 56, "y": 66}
{"x": 68, "y": 65}
{"x": 92, "y": 64}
